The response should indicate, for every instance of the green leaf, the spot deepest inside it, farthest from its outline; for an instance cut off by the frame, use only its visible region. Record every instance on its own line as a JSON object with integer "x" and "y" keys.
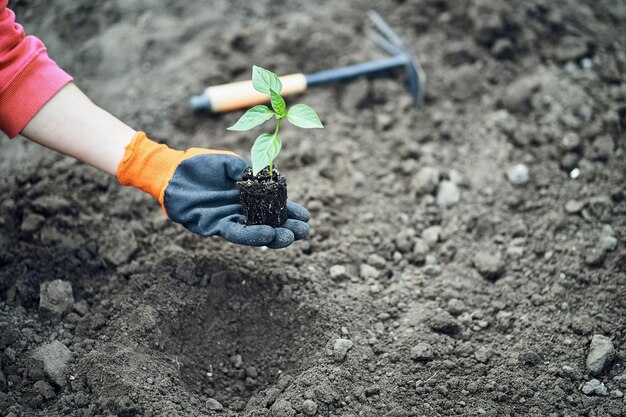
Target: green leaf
{"x": 278, "y": 103}
{"x": 252, "y": 118}
{"x": 303, "y": 116}
{"x": 264, "y": 151}
{"x": 263, "y": 80}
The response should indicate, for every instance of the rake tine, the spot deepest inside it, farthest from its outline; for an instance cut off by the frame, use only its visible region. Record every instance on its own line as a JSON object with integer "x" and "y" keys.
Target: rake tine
{"x": 384, "y": 43}
{"x": 385, "y": 29}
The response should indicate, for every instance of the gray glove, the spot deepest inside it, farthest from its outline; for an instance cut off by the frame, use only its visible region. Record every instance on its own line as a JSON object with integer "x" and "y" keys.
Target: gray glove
{"x": 202, "y": 196}
{"x": 197, "y": 188}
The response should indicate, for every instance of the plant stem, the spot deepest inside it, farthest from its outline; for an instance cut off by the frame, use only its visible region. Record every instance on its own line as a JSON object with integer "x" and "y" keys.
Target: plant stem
{"x": 271, "y": 167}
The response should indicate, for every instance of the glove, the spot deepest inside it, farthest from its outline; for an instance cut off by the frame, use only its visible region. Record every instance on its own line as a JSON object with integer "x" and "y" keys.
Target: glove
{"x": 196, "y": 188}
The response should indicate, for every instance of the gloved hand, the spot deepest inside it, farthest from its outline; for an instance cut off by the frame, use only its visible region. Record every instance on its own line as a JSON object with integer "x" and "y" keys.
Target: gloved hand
{"x": 196, "y": 188}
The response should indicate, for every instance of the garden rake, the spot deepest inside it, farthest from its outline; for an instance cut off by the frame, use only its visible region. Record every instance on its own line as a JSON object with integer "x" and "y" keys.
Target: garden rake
{"x": 241, "y": 94}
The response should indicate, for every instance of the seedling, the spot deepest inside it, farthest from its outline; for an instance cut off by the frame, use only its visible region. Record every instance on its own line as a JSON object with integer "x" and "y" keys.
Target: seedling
{"x": 262, "y": 189}
{"x": 267, "y": 146}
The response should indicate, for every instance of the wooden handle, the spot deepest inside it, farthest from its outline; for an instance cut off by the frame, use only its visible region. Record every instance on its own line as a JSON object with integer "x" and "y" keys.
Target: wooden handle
{"x": 241, "y": 94}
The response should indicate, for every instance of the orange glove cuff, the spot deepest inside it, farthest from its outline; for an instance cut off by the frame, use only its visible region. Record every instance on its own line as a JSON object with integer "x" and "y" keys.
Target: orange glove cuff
{"x": 150, "y": 166}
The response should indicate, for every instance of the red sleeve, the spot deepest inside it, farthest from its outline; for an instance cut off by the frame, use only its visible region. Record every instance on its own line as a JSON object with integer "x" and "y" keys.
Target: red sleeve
{"x": 28, "y": 78}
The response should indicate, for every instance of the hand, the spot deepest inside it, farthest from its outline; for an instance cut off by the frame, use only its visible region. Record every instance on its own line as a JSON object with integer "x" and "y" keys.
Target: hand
{"x": 196, "y": 188}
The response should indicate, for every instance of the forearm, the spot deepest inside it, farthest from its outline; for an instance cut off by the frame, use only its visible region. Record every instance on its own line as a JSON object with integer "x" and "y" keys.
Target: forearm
{"x": 72, "y": 124}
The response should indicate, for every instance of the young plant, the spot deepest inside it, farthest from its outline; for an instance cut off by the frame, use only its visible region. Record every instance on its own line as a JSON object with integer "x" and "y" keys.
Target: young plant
{"x": 267, "y": 146}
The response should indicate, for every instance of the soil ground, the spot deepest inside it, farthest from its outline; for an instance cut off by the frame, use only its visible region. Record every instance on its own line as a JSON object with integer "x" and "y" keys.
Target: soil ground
{"x": 438, "y": 280}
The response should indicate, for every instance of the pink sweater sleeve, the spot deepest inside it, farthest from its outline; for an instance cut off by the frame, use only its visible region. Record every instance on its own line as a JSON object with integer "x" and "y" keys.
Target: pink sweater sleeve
{"x": 28, "y": 78}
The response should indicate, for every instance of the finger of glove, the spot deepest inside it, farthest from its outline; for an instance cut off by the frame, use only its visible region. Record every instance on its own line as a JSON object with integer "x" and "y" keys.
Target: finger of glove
{"x": 284, "y": 237}
{"x": 241, "y": 234}
{"x": 297, "y": 212}
{"x": 235, "y": 167}
{"x": 299, "y": 228}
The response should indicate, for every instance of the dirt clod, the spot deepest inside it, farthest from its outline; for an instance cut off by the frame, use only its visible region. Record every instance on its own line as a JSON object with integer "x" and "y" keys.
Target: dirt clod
{"x": 518, "y": 174}
{"x": 595, "y": 387}
{"x": 51, "y": 360}
{"x": 55, "y": 298}
{"x": 341, "y": 348}
{"x": 601, "y": 354}
{"x": 425, "y": 181}
{"x": 339, "y": 272}
{"x": 490, "y": 265}
{"x": 309, "y": 407}
{"x": 282, "y": 408}
{"x": 422, "y": 352}
{"x": 445, "y": 323}
{"x": 213, "y": 404}
{"x": 448, "y": 194}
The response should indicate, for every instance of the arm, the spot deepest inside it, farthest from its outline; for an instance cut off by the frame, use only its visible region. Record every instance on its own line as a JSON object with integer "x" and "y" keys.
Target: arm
{"x": 72, "y": 124}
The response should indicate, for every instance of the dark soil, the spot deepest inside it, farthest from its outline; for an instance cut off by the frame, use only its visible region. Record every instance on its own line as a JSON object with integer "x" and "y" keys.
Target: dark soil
{"x": 264, "y": 197}
{"x": 461, "y": 258}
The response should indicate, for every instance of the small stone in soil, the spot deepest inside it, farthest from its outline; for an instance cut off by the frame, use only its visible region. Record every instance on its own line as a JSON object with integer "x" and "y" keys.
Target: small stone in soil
{"x": 118, "y": 245}
{"x": 81, "y": 307}
{"x": 448, "y": 194}
{"x": 339, "y": 273}
{"x": 594, "y": 387}
{"x": 55, "y": 298}
{"x": 341, "y": 348}
{"x": 595, "y": 256}
{"x": 376, "y": 261}
{"x": 213, "y": 404}
{"x": 420, "y": 250}
{"x": 483, "y": 354}
{"x": 425, "y": 181}
{"x": 607, "y": 241}
{"x": 252, "y": 372}
{"x": 456, "y": 306}
{"x": 369, "y": 272}
{"x": 571, "y": 48}
{"x": 282, "y": 408}
{"x": 603, "y": 148}
{"x": 601, "y": 354}
{"x": 422, "y": 352}
{"x": 503, "y": 48}
{"x": 431, "y": 234}
{"x": 237, "y": 361}
{"x": 574, "y": 206}
{"x": 518, "y": 174}
{"x": 489, "y": 265}
{"x": 50, "y": 204}
{"x": 32, "y": 222}
{"x": 44, "y": 389}
{"x": 571, "y": 142}
{"x": 309, "y": 407}
{"x": 530, "y": 358}
{"x": 444, "y": 323}
{"x": 405, "y": 240}
{"x": 517, "y": 95}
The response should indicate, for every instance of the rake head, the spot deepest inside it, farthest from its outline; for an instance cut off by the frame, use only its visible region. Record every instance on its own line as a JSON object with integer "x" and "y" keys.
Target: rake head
{"x": 387, "y": 39}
